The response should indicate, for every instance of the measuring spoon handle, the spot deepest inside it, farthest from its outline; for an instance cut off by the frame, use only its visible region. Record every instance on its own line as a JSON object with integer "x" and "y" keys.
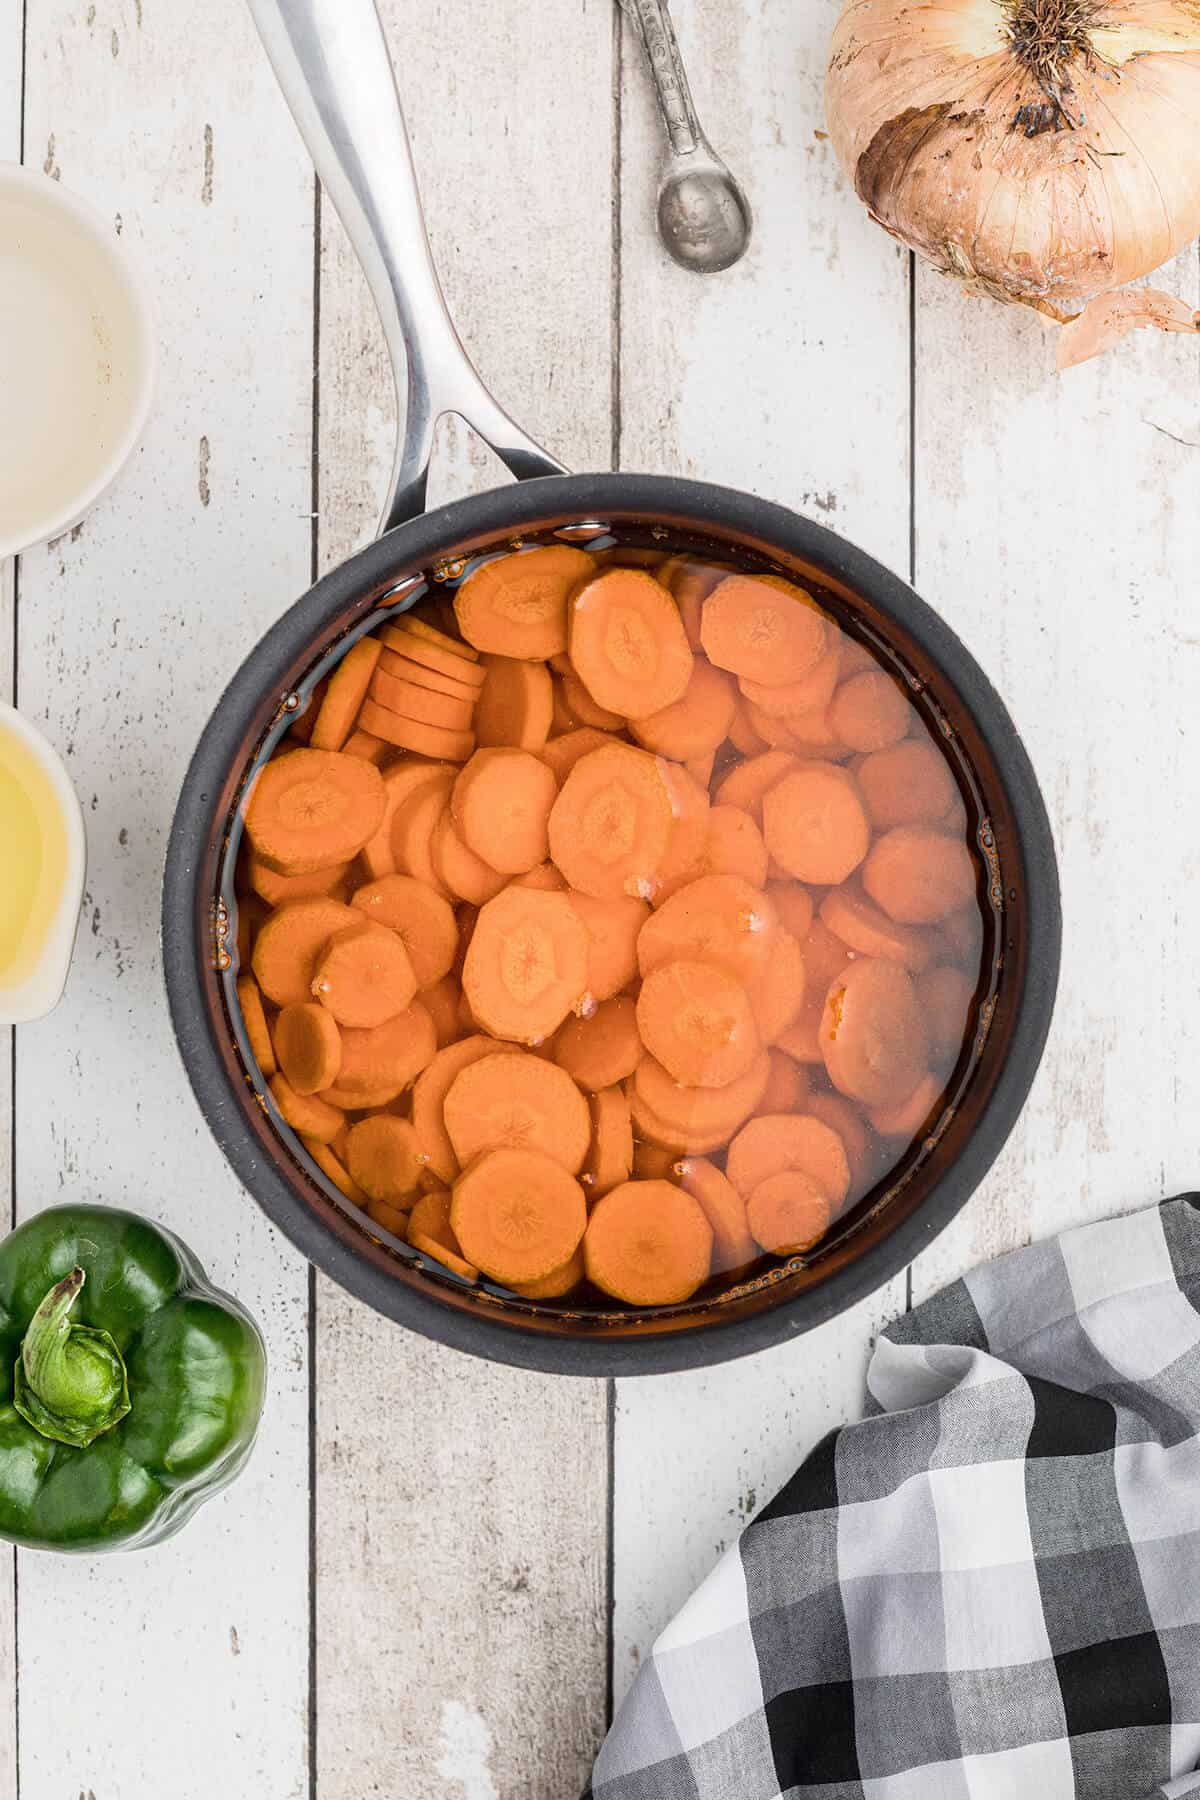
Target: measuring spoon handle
{"x": 671, "y": 85}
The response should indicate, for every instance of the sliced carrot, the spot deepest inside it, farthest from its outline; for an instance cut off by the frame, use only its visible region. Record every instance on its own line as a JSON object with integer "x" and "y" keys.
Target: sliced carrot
{"x": 612, "y": 928}
{"x": 610, "y": 1157}
{"x": 602, "y": 1047}
{"x": 696, "y": 1019}
{"x": 331, "y": 1165}
{"x": 865, "y": 927}
{"x": 815, "y": 823}
{"x": 255, "y": 1021}
{"x": 379, "y": 1063}
{"x": 654, "y": 1162}
{"x": 430, "y": 1219}
{"x": 812, "y": 692}
{"x": 719, "y": 920}
{"x": 908, "y": 784}
{"x": 517, "y": 605}
{"x": 370, "y": 749}
{"x": 543, "y": 876}
{"x": 725, "y": 1210}
{"x": 825, "y": 956}
{"x": 700, "y": 768}
{"x": 558, "y": 1283}
{"x": 345, "y": 694}
{"x": 429, "y": 1097}
{"x": 689, "y": 831}
{"x": 383, "y": 1157}
{"x": 526, "y": 968}
{"x": 430, "y": 656}
{"x": 420, "y": 917}
{"x": 772, "y": 1143}
{"x": 562, "y": 753}
{"x": 690, "y": 584}
{"x": 309, "y": 809}
{"x": 763, "y": 627}
{"x": 441, "y": 1003}
{"x": 628, "y": 644}
{"x": 696, "y": 723}
{"x": 742, "y": 734}
{"x": 305, "y": 1113}
{"x": 856, "y": 657}
{"x": 278, "y": 890}
{"x": 734, "y": 846}
{"x": 521, "y": 1101}
{"x": 287, "y": 947}
{"x": 309, "y": 1047}
{"x": 585, "y": 710}
{"x": 363, "y": 976}
{"x": 458, "y": 868}
{"x": 412, "y": 701}
{"x": 562, "y": 719}
{"x": 918, "y": 875}
{"x": 610, "y": 826}
{"x": 679, "y": 1140}
{"x": 252, "y": 915}
{"x": 909, "y": 1120}
{"x": 518, "y": 1214}
{"x": 516, "y": 706}
{"x": 807, "y": 735}
{"x": 859, "y": 1145}
{"x": 700, "y": 1112}
{"x": 870, "y": 712}
{"x": 747, "y": 782}
{"x": 413, "y": 827}
{"x": 501, "y": 807}
{"x": 787, "y": 1088}
{"x": 963, "y": 932}
{"x": 457, "y": 1265}
{"x": 944, "y": 995}
{"x": 403, "y": 782}
{"x": 794, "y": 905}
{"x": 389, "y": 1217}
{"x": 302, "y": 724}
{"x": 410, "y": 734}
{"x": 429, "y": 634}
{"x": 648, "y": 1243}
{"x": 463, "y": 683}
{"x": 872, "y": 1035}
{"x": 777, "y": 994}
{"x": 788, "y": 1213}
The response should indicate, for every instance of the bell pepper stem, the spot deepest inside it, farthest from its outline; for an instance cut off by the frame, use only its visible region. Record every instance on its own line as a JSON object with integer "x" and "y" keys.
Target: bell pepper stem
{"x": 70, "y": 1382}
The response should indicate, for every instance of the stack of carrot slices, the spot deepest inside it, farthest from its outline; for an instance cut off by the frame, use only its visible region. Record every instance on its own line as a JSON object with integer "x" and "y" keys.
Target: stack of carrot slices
{"x": 620, "y": 929}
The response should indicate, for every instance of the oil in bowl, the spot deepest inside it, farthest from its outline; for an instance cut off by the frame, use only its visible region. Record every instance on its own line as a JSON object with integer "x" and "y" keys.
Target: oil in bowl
{"x": 41, "y": 875}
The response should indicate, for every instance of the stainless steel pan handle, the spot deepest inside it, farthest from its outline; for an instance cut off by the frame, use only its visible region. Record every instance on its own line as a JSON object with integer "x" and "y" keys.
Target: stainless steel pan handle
{"x": 331, "y": 60}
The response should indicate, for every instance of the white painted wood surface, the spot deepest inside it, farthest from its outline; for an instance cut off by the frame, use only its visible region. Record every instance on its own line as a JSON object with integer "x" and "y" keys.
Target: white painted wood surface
{"x": 465, "y": 1623}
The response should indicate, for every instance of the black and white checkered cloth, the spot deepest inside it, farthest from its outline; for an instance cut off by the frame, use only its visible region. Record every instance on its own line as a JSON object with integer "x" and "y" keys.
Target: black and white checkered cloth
{"x": 990, "y": 1588}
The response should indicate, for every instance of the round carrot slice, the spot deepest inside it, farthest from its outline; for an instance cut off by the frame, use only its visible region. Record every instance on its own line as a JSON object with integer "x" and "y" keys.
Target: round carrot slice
{"x": 734, "y": 846}
{"x": 699, "y": 1111}
{"x": 520, "y": 1101}
{"x": 402, "y": 784}
{"x": 690, "y": 584}
{"x": 807, "y": 735}
{"x": 872, "y": 1035}
{"x": 518, "y": 1214}
{"x": 544, "y": 877}
{"x": 648, "y": 1243}
{"x": 517, "y": 604}
{"x": 602, "y": 1047}
{"x": 696, "y": 1019}
{"x": 719, "y": 920}
{"x": 516, "y": 706}
{"x": 380, "y": 1062}
{"x": 562, "y": 753}
{"x": 963, "y": 932}
{"x": 870, "y": 712}
{"x": 825, "y": 956}
{"x": 787, "y": 1089}
{"x": 332, "y": 1167}
{"x": 742, "y": 734}
{"x": 857, "y": 1141}
{"x": 363, "y": 976}
{"x": 689, "y": 831}
{"x": 413, "y": 828}
{"x": 554, "y": 1286}
{"x": 770, "y": 1144}
{"x": 747, "y": 782}
{"x": 864, "y": 927}
{"x": 430, "y": 1219}
{"x": 501, "y": 806}
{"x": 414, "y": 702}
{"x": 777, "y": 993}
{"x": 788, "y": 1212}
{"x": 305, "y": 1113}
{"x": 441, "y": 1003}
{"x": 815, "y": 824}
{"x": 610, "y": 1158}
{"x": 909, "y": 1120}
{"x": 464, "y": 684}
{"x": 612, "y": 928}
{"x": 763, "y": 627}
{"x": 255, "y": 1021}
{"x": 809, "y": 694}
{"x": 370, "y": 749}
{"x": 383, "y": 1157}
{"x": 458, "y": 868}
{"x": 429, "y": 1098}
{"x": 696, "y": 723}
{"x": 584, "y": 710}
{"x": 944, "y": 995}
{"x": 387, "y": 1215}
{"x": 278, "y": 890}
{"x": 628, "y": 644}
{"x": 309, "y": 1047}
{"x": 725, "y": 1210}
{"x": 420, "y": 918}
{"x": 289, "y": 943}
{"x": 429, "y": 634}
{"x": 526, "y": 967}
{"x": 679, "y": 1140}
{"x": 410, "y": 734}
{"x": 611, "y": 823}
{"x": 311, "y": 808}
{"x": 794, "y": 905}
{"x": 918, "y": 875}
{"x": 700, "y": 768}
{"x": 416, "y": 649}
{"x": 910, "y": 784}
{"x": 654, "y": 1162}
{"x": 345, "y": 694}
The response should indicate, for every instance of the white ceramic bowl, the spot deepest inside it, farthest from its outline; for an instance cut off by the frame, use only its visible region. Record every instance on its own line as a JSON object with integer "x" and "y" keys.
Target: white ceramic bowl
{"x": 77, "y": 358}
{"x": 42, "y": 987}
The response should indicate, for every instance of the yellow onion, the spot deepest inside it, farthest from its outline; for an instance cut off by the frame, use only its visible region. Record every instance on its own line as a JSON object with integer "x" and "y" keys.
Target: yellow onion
{"x": 1039, "y": 151}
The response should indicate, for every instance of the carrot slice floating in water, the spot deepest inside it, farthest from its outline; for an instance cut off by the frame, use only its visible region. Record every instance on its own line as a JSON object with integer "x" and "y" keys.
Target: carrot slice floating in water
{"x": 690, "y": 810}
{"x": 909, "y": 1120}
{"x": 860, "y": 1147}
{"x": 379, "y": 1063}
{"x": 794, "y": 905}
{"x": 611, "y": 823}
{"x": 369, "y": 749}
{"x": 255, "y": 1021}
{"x": 383, "y": 1157}
{"x": 777, "y": 994}
{"x": 431, "y": 656}
{"x": 278, "y": 890}
{"x": 429, "y": 1098}
{"x": 725, "y": 1210}
{"x": 517, "y": 605}
{"x": 545, "y": 878}
{"x": 811, "y": 693}
{"x": 311, "y": 808}
{"x": 807, "y": 735}
{"x": 910, "y": 784}
{"x": 429, "y": 634}
{"x": 690, "y": 584}
{"x": 628, "y": 644}
{"x": 518, "y": 1214}
{"x": 516, "y": 705}
{"x": 585, "y": 710}
{"x": 601, "y": 1048}
{"x": 733, "y": 845}
{"x": 419, "y": 916}
{"x": 870, "y": 712}
{"x": 562, "y": 753}
{"x": 402, "y": 783}
{"x": 610, "y": 1158}
{"x": 718, "y": 920}
{"x": 287, "y": 947}
{"x": 526, "y": 968}
{"x": 441, "y": 1003}
{"x": 700, "y": 768}
{"x": 696, "y": 1019}
{"x": 388, "y": 1216}
{"x": 345, "y": 694}
{"x": 554, "y": 1286}
{"x": 520, "y": 1101}
{"x": 654, "y": 1162}
{"x": 696, "y": 723}
{"x": 306, "y": 1113}
{"x": 363, "y": 976}
{"x": 679, "y": 1140}
{"x": 411, "y": 701}
{"x": 430, "y": 1219}
{"x": 457, "y": 1265}
{"x": 865, "y": 927}
{"x": 787, "y": 1088}
{"x": 815, "y": 823}
{"x": 612, "y": 928}
{"x": 648, "y": 1243}
{"x": 309, "y": 1047}
{"x": 413, "y": 827}
{"x": 963, "y": 932}
{"x": 699, "y": 1111}
{"x": 458, "y": 868}
{"x": 463, "y": 684}
{"x": 410, "y": 734}
{"x": 872, "y": 1035}
{"x": 944, "y": 995}
{"x": 772, "y": 1143}
{"x": 331, "y": 1165}
{"x": 918, "y": 875}
{"x": 788, "y": 1213}
{"x": 742, "y": 734}
{"x": 501, "y": 806}
{"x": 825, "y": 956}
{"x": 763, "y": 627}
{"x": 747, "y": 782}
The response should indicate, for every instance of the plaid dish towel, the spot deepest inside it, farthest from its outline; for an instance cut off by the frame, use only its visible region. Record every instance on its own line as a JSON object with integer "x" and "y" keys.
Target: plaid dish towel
{"x": 987, "y": 1590}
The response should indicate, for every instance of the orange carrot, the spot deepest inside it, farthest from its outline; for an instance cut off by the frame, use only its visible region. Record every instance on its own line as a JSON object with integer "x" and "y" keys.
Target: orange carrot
{"x": 700, "y": 768}
{"x": 457, "y": 1265}
{"x": 429, "y": 1098}
{"x": 696, "y": 1019}
{"x": 679, "y": 1140}
{"x": 516, "y": 706}
{"x": 309, "y": 1047}
{"x": 777, "y": 994}
{"x": 441, "y": 1003}
{"x": 772, "y": 1143}
{"x": 909, "y": 784}
{"x": 501, "y": 808}
{"x": 601, "y": 1048}
{"x": 610, "y": 1158}
{"x": 611, "y": 823}
{"x": 734, "y": 846}
{"x": 690, "y": 584}
{"x": 689, "y": 831}
{"x": 825, "y": 956}
{"x": 463, "y": 682}
{"x": 423, "y": 921}
{"x": 742, "y": 734}
{"x": 255, "y": 1021}
{"x": 388, "y": 1216}
{"x": 517, "y": 1213}
{"x": 429, "y": 634}
{"x": 345, "y": 694}
{"x": 410, "y": 734}
{"x": 787, "y": 1088}
{"x": 384, "y": 1159}
{"x": 810, "y": 694}
{"x": 944, "y": 995}
{"x": 302, "y": 724}
{"x": 562, "y": 753}
{"x": 870, "y": 712}
{"x": 517, "y": 1100}
{"x": 612, "y": 928}
{"x": 794, "y": 905}
{"x": 517, "y": 605}
{"x": 747, "y": 782}
{"x": 543, "y": 876}
{"x": 403, "y": 782}
{"x": 856, "y": 658}
{"x": 278, "y": 890}
{"x": 305, "y": 1113}
{"x": 859, "y": 1145}
{"x": 331, "y": 1166}
{"x": 554, "y": 1286}
{"x": 287, "y": 947}
{"x": 648, "y": 1243}
{"x": 864, "y": 927}
{"x": 434, "y": 657}
{"x": 912, "y": 1117}
{"x": 412, "y": 832}
{"x": 584, "y": 710}
{"x": 725, "y": 1210}
{"x": 808, "y": 734}
{"x": 788, "y": 1213}
{"x": 370, "y": 749}
{"x": 918, "y": 875}
{"x": 815, "y": 823}
{"x": 701, "y": 1112}
{"x": 458, "y": 868}
{"x": 430, "y": 1219}
{"x": 963, "y": 932}
{"x": 654, "y": 1162}
{"x": 718, "y": 919}
{"x": 872, "y": 1035}
{"x": 411, "y": 701}
{"x": 764, "y": 628}
{"x": 628, "y": 644}
{"x": 526, "y": 968}
{"x": 380, "y": 1062}
{"x": 309, "y": 809}
{"x": 695, "y": 724}
{"x": 364, "y": 976}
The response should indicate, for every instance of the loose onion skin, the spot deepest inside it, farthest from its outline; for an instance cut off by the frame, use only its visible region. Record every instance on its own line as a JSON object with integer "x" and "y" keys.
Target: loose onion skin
{"x": 1040, "y": 151}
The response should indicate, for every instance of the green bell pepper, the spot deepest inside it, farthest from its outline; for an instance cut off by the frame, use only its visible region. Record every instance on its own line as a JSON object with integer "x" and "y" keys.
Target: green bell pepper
{"x": 130, "y": 1388}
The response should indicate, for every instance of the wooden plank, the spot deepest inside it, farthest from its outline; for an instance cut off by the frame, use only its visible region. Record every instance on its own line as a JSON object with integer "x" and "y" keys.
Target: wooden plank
{"x": 788, "y": 376}
{"x": 11, "y": 33}
{"x": 1057, "y": 530}
{"x": 187, "y": 1668}
{"x": 461, "y": 1508}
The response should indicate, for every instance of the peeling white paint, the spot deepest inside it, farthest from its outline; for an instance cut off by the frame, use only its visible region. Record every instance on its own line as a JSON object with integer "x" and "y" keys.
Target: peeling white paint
{"x": 466, "y": 1751}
